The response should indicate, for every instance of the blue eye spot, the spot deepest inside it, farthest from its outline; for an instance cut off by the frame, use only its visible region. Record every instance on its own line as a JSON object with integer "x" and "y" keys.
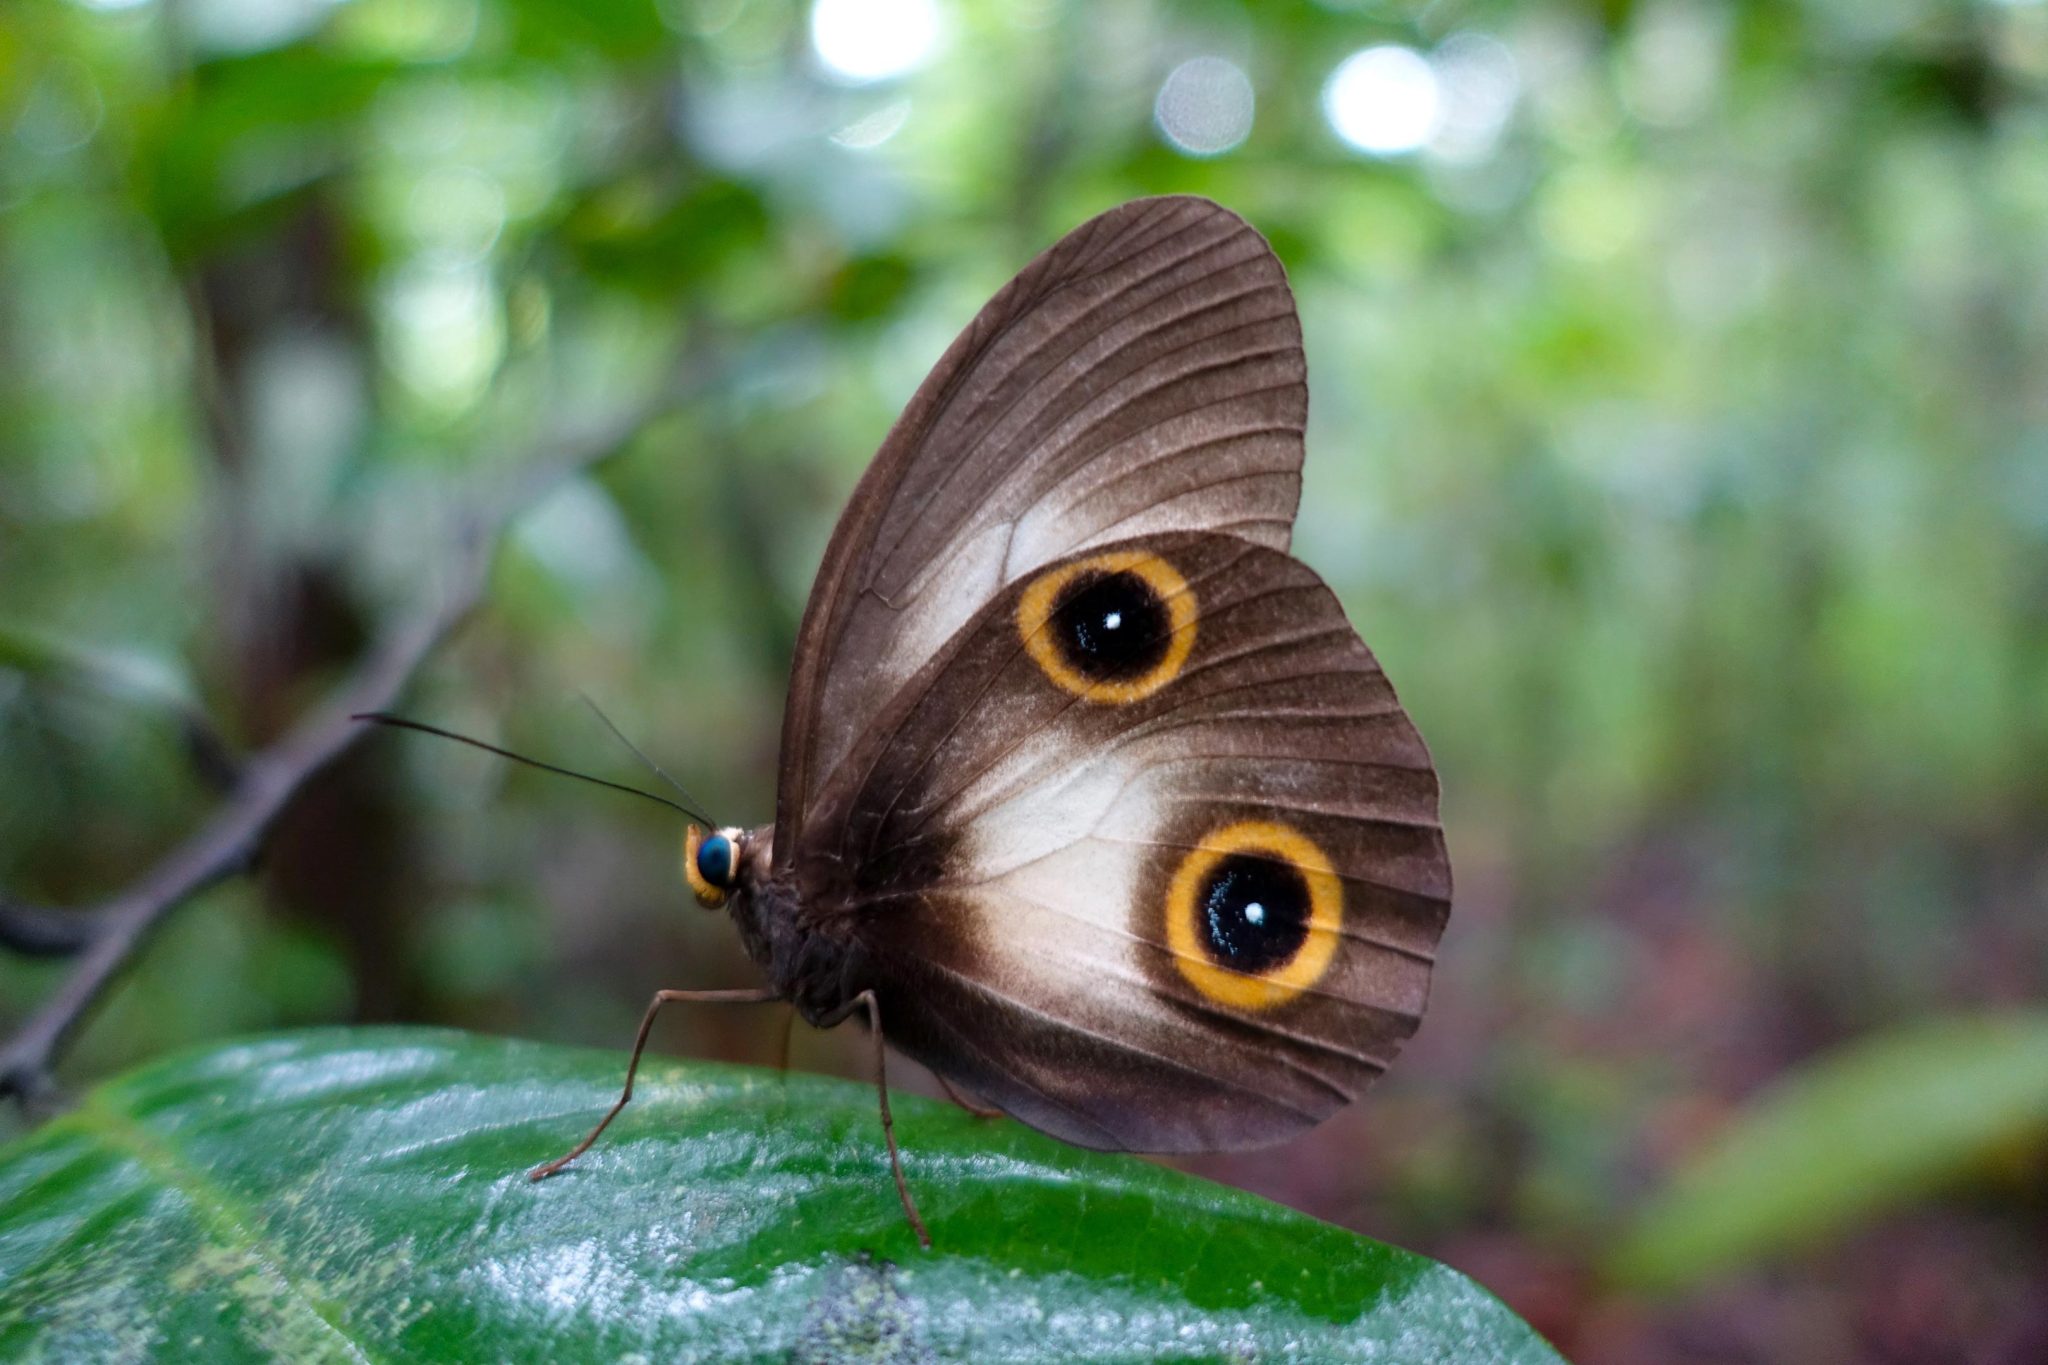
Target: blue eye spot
{"x": 714, "y": 860}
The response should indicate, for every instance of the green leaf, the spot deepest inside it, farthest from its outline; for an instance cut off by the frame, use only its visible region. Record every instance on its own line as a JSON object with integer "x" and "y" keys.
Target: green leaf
{"x": 131, "y": 676}
{"x": 360, "y": 1194}
{"x": 1878, "y": 1124}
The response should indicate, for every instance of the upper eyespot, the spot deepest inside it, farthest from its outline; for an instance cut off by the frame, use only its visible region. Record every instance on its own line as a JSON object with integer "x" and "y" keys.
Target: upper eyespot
{"x": 1115, "y": 627}
{"x": 710, "y": 863}
{"x": 1254, "y": 914}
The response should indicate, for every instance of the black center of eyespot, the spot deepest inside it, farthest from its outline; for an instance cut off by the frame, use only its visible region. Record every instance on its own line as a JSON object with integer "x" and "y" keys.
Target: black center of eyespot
{"x": 714, "y": 860}
{"x": 1111, "y": 627}
{"x": 1254, "y": 912}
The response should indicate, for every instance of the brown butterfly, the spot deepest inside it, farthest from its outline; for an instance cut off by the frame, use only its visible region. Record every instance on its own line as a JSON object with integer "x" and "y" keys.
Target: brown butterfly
{"x": 1090, "y": 797}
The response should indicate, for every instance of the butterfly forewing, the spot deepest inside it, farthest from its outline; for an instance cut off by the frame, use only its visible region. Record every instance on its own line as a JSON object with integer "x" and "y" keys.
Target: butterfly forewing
{"x": 1143, "y": 375}
{"x": 1148, "y": 853}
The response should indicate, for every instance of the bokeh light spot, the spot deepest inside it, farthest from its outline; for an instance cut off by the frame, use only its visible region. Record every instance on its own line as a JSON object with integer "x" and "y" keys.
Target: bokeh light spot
{"x": 873, "y": 40}
{"x": 242, "y": 26}
{"x": 1384, "y": 100}
{"x": 872, "y": 130}
{"x": 1205, "y": 106}
{"x": 444, "y": 333}
{"x": 1479, "y": 84}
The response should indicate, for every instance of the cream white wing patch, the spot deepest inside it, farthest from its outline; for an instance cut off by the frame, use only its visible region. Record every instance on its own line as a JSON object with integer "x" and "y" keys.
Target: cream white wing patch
{"x": 1052, "y": 864}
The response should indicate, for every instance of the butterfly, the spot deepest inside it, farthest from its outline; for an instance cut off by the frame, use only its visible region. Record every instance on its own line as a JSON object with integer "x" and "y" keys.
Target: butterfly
{"x": 1090, "y": 798}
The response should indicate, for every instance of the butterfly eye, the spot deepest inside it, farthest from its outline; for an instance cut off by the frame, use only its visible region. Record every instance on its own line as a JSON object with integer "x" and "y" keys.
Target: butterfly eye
{"x": 1114, "y": 627}
{"x": 709, "y": 864}
{"x": 1253, "y": 914}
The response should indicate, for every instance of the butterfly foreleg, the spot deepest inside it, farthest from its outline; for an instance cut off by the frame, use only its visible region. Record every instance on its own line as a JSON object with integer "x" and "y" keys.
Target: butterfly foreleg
{"x": 754, "y": 996}
{"x": 866, "y": 1000}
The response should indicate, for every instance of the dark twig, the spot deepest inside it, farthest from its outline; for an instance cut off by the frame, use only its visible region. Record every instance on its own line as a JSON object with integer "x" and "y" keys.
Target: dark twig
{"x": 266, "y": 782}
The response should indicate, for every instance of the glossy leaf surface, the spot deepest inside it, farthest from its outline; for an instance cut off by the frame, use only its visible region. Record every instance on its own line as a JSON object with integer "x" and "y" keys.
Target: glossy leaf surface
{"x": 360, "y": 1195}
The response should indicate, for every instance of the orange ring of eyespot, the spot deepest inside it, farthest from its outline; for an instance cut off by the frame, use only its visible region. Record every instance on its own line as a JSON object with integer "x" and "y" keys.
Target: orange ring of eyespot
{"x": 1035, "y": 608}
{"x": 1246, "y": 990}
{"x": 708, "y": 896}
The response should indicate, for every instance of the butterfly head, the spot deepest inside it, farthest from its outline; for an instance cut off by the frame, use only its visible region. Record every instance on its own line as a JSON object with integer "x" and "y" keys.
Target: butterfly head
{"x": 711, "y": 863}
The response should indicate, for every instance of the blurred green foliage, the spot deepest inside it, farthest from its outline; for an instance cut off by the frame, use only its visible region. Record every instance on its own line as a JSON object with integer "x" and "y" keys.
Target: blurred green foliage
{"x": 1679, "y": 440}
{"x": 1883, "y": 1122}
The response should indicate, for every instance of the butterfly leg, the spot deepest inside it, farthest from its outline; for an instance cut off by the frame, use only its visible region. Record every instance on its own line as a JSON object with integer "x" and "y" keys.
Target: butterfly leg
{"x": 756, "y": 996}
{"x": 980, "y": 1111}
{"x": 782, "y": 1052}
{"x": 866, "y": 1000}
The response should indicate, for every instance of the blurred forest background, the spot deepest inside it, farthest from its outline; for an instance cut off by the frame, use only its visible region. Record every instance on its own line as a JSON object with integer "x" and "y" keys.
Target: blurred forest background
{"x": 1679, "y": 440}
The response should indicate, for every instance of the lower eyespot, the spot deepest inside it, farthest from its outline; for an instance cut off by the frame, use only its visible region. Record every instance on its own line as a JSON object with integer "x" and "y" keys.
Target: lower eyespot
{"x": 1254, "y": 914}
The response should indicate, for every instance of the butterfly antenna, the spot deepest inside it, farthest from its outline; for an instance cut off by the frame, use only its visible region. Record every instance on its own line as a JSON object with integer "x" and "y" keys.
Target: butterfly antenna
{"x": 635, "y": 750}
{"x": 401, "y": 723}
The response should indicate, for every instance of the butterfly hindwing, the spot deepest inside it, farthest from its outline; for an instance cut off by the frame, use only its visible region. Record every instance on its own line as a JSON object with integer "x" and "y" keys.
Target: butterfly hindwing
{"x": 1148, "y": 853}
{"x": 1144, "y": 374}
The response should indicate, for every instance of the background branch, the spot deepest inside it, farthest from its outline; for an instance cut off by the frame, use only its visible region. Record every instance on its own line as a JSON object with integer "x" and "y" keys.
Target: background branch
{"x": 107, "y": 935}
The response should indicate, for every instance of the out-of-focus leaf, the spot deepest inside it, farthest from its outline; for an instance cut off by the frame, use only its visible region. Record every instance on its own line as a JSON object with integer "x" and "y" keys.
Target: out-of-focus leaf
{"x": 130, "y": 677}
{"x": 663, "y": 239}
{"x": 563, "y": 29}
{"x": 869, "y": 287}
{"x": 354, "y": 1194}
{"x": 1881, "y": 1122}
{"x": 267, "y": 128}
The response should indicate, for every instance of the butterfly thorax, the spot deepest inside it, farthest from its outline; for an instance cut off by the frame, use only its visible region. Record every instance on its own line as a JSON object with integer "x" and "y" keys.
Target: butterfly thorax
{"x": 812, "y": 969}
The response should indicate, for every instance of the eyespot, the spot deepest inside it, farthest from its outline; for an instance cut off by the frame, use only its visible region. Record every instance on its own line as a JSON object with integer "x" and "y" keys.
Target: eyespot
{"x": 710, "y": 864}
{"x": 1253, "y": 914}
{"x": 1115, "y": 627}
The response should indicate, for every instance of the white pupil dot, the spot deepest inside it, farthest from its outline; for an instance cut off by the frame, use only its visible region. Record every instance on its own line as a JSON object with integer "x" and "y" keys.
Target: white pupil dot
{"x": 1255, "y": 913}
{"x": 1113, "y": 620}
